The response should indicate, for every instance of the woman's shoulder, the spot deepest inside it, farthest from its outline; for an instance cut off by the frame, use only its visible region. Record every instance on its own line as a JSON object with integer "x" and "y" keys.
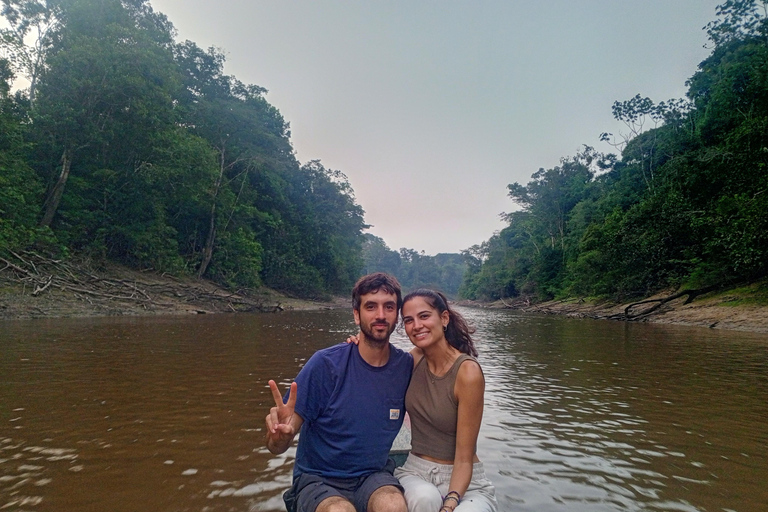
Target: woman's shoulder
{"x": 469, "y": 371}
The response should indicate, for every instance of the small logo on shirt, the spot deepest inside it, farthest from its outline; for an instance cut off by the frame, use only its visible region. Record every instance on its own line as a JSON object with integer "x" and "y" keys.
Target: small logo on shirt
{"x": 394, "y": 414}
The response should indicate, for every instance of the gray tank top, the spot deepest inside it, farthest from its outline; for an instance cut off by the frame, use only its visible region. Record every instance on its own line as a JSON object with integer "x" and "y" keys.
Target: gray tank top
{"x": 432, "y": 407}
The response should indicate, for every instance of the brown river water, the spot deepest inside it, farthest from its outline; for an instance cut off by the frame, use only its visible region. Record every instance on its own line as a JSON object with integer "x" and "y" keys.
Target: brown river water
{"x": 166, "y": 413}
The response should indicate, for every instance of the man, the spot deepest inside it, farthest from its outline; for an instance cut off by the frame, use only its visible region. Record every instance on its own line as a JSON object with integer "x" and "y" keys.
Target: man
{"x": 349, "y": 402}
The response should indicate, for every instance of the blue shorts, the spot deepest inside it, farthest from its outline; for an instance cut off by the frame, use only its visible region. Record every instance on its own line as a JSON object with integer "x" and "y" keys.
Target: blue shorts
{"x": 308, "y": 491}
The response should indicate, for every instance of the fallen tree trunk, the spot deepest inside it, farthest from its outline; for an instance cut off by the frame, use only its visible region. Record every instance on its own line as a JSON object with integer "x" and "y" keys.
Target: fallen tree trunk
{"x": 658, "y": 303}
{"x": 517, "y": 303}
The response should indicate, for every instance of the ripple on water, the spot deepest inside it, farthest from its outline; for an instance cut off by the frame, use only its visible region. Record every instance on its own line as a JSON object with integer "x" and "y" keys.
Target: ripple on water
{"x": 580, "y": 416}
{"x": 24, "y": 470}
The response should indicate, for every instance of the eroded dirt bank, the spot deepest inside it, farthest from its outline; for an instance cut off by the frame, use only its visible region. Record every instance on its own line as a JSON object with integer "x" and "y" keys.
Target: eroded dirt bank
{"x": 740, "y": 309}
{"x": 32, "y": 286}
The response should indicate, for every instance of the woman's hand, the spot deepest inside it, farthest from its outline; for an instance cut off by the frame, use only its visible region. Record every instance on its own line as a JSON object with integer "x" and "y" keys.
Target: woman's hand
{"x": 353, "y": 339}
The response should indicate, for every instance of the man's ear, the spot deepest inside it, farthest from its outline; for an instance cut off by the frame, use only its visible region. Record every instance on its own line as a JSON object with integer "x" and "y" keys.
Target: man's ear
{"x": 356, "y": 313}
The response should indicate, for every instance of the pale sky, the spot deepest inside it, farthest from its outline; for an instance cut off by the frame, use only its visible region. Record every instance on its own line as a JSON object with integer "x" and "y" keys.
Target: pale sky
{"x": 431, "y": 108}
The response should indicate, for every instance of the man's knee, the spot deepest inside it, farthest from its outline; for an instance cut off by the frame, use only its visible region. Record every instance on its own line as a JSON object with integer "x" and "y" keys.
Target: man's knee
{"x": 387, "y": 499}
{"x": 335, "y": 504}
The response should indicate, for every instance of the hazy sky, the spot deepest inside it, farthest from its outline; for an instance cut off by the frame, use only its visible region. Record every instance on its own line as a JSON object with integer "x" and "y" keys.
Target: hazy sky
{"x": 431, "y": 108}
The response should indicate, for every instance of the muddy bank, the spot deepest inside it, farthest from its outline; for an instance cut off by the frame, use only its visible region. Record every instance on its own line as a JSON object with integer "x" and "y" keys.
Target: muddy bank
{"x": 740, "y": 309}
{"x": 32, "y": 286}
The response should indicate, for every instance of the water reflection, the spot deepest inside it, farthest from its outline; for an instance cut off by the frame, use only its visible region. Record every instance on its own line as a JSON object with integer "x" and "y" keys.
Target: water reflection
{"x": 604, "y": 416}
{"x": 166, "y": 414}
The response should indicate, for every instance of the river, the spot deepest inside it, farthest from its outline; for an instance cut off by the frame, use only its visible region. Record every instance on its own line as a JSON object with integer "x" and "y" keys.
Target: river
{"x": 165, "y": 414}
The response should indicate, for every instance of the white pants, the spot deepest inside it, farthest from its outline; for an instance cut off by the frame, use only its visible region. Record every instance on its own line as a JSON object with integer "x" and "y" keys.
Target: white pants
{"x": 426, "y": 483}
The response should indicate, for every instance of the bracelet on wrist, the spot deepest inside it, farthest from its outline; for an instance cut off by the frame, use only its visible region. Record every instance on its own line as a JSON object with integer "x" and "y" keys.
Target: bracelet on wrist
{"x": 452, "y": 495}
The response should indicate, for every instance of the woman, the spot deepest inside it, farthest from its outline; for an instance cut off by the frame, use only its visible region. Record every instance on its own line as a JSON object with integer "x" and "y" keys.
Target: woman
{"x": 445, "y": 405}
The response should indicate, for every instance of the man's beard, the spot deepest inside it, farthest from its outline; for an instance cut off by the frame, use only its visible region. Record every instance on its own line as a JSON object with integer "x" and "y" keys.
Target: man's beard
{"x": 377, "y": 338}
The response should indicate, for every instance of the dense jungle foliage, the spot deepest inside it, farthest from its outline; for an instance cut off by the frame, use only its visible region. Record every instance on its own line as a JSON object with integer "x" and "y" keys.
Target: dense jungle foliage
{"x": 685, "y": 204}
{"x": 132, "y": 147}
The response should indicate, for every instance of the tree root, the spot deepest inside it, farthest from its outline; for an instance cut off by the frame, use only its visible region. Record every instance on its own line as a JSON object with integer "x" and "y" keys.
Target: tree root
{"x": 658, "y": 303}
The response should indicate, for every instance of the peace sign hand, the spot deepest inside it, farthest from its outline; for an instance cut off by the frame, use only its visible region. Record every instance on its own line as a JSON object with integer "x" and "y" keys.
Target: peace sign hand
{"x": 280, "y": 422}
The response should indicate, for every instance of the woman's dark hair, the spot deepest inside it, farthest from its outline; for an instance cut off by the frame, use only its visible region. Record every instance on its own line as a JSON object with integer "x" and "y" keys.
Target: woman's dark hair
{"x": 458, "y": 332}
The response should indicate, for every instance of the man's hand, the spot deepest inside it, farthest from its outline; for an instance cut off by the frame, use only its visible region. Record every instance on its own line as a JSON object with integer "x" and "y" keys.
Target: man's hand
{"x": 282, "y": 423}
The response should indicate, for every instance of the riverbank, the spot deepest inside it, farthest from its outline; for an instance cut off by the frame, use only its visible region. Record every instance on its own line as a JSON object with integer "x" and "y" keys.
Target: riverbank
{"x": 36, "y": 287}
{"x": 43, "y": 288}
{"x": 740, "y": 309}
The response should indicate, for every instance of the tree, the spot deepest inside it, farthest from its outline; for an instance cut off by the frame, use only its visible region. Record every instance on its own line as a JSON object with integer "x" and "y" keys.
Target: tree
{"x": 643, "y": 143}
{"x": 739, "y": 19}
{"x": 246, "y": 132}
{"x": 329, "y": 224}
{"x": 29, "y": 36}
{"x": 378, "y": 257}
{"x": 107, "y": 84}
{"x": 19, "y": 187}
{"x": 551, "y": 195}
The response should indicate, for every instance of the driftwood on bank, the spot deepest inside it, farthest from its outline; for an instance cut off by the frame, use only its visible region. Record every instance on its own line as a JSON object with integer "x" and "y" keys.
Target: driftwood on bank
{"x": 635, "y": 311}
{"x": 630, "y": 312}
{"x": 517, "y": 303}
{"x": 40, "y": 276}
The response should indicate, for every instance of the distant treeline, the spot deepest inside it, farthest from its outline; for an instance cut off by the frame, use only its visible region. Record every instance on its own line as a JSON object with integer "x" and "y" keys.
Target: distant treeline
{"x": 443, "y": 272}
{"x": 685, "y": 204}
{"x": 132, "y": 147}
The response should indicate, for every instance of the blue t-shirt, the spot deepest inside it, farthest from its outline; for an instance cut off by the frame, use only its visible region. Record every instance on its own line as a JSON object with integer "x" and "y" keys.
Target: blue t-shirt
{"x": 352, "y": 411}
